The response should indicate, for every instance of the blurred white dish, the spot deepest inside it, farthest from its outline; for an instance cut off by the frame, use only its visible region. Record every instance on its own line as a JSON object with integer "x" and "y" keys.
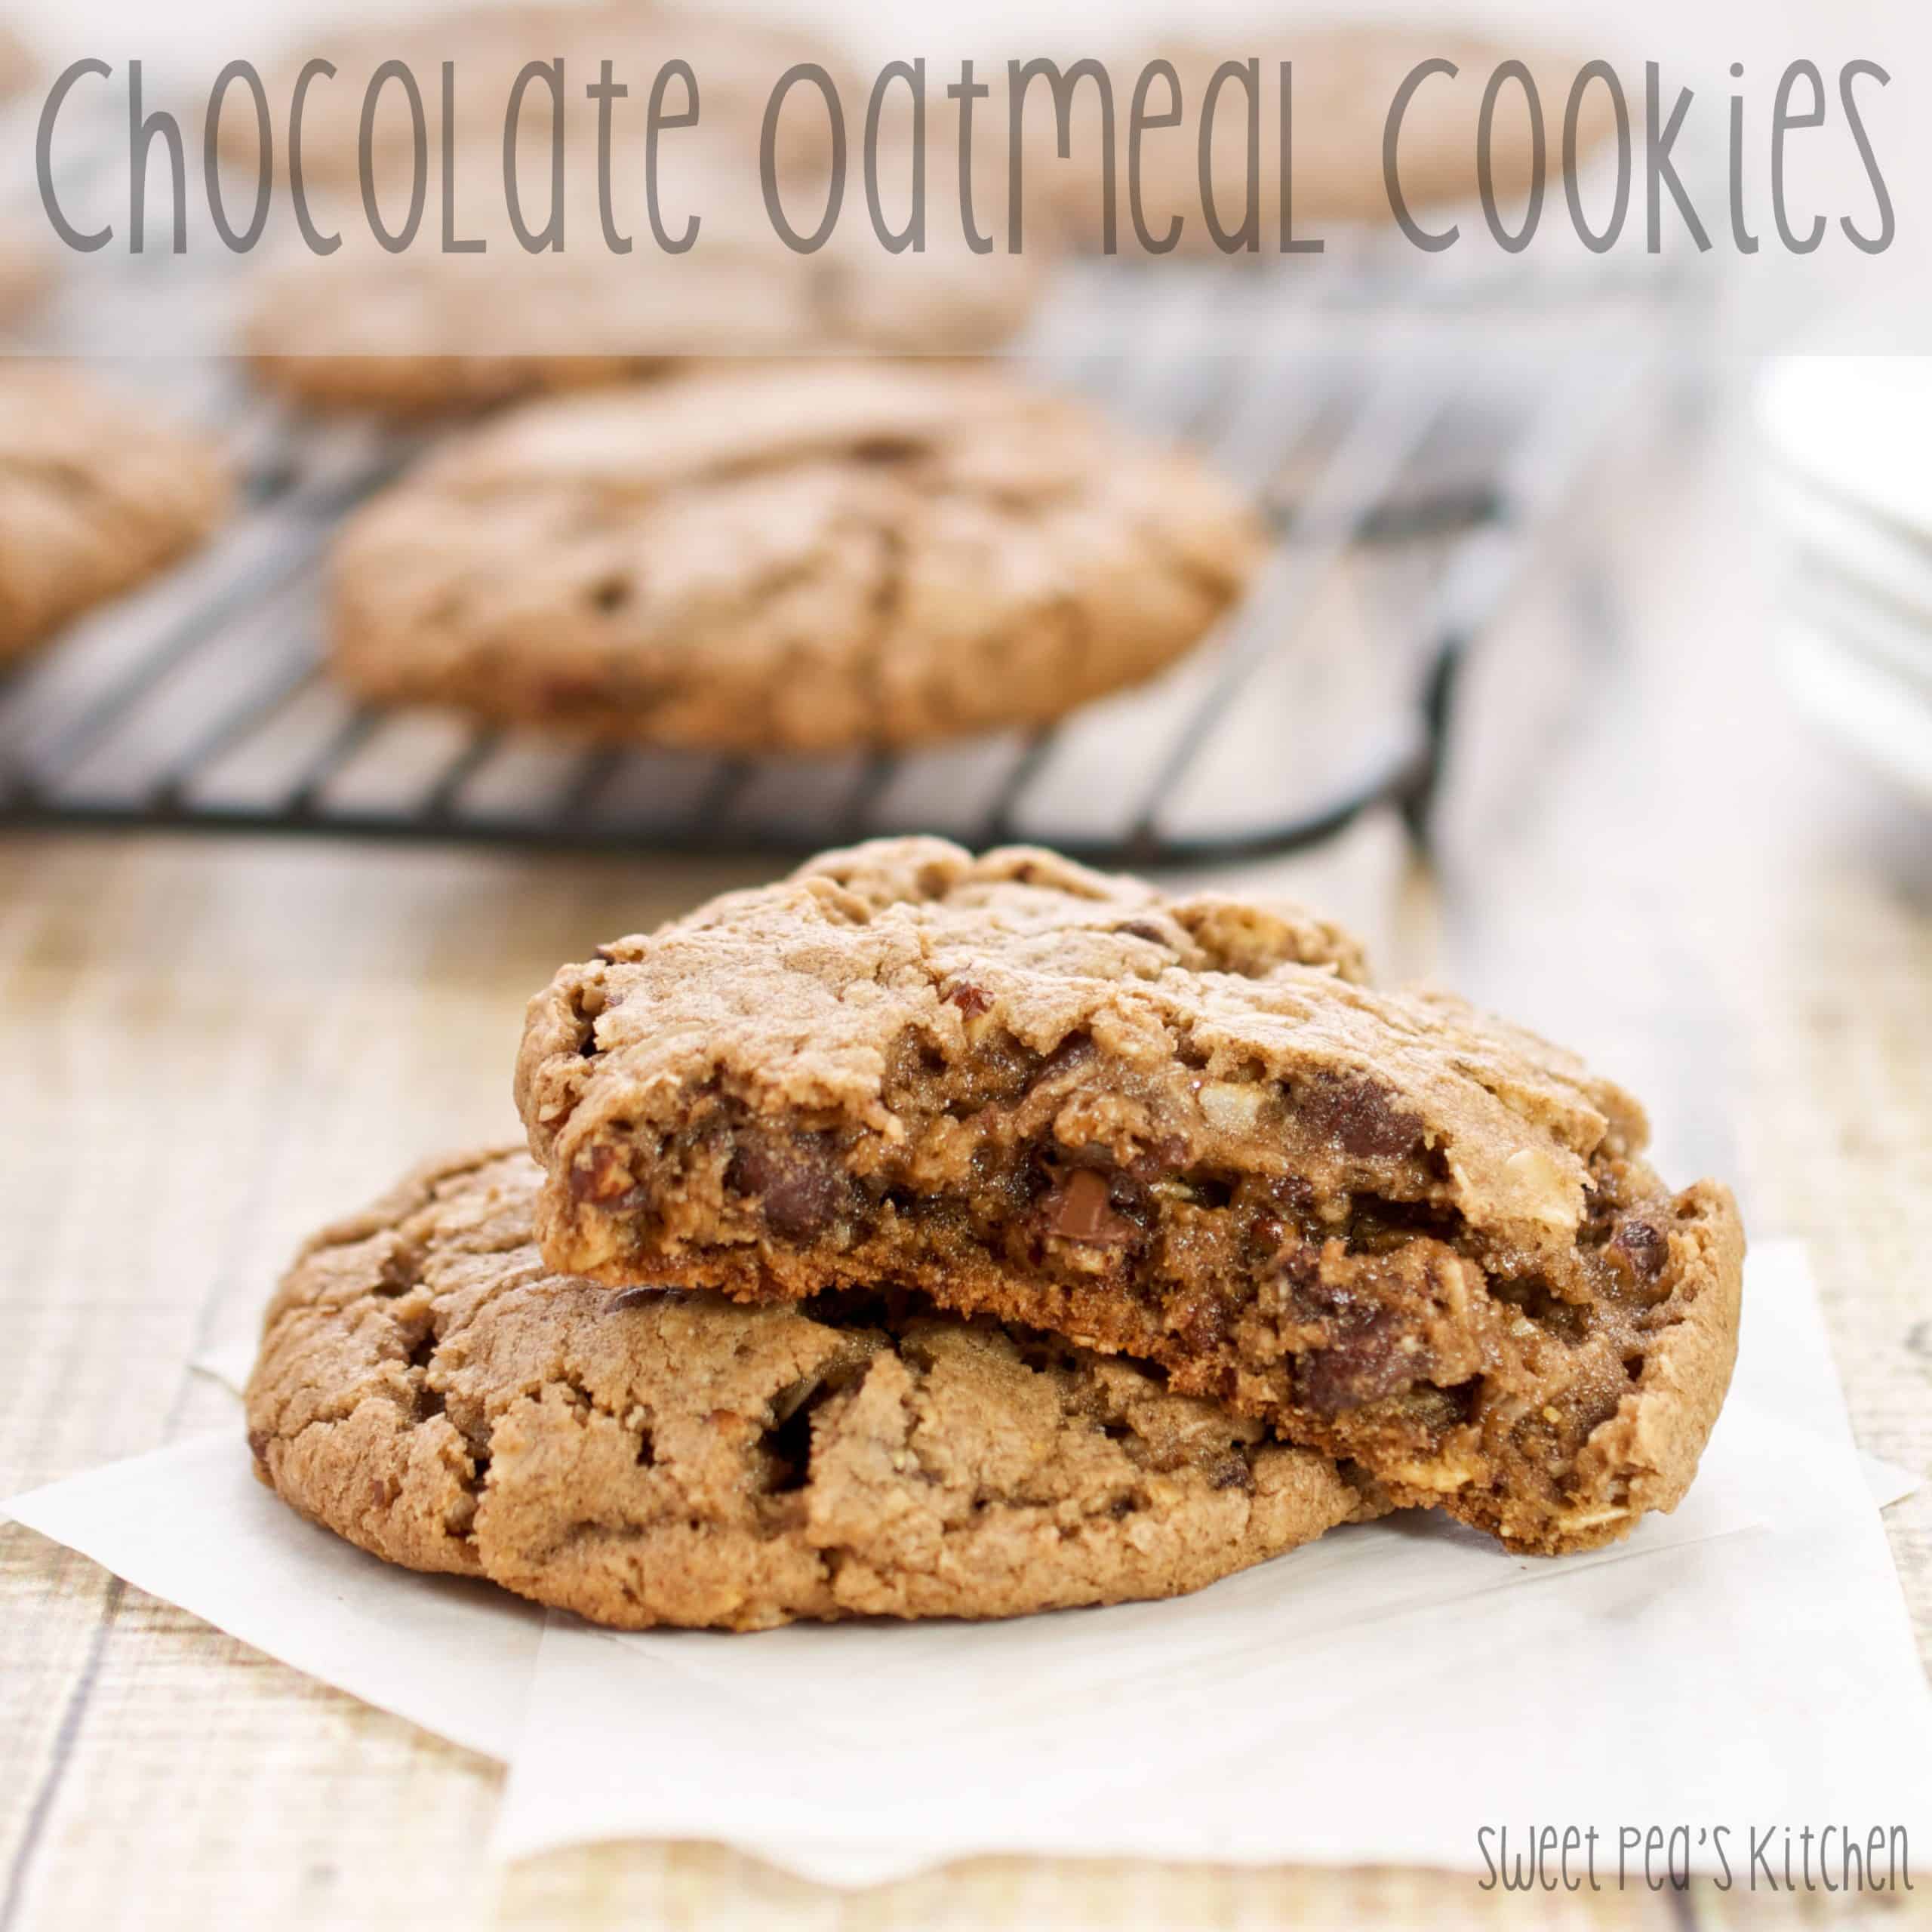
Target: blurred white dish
{"x": 1883, "y": 717}
{"x": 1858, "y": 427}
{"x": 1834, "y": 539}
{"x": 1864, "y": 620}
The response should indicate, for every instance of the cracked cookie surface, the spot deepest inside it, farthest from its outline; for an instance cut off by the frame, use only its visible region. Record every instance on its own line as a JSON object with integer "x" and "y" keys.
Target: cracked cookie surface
{"x": 95, "y": 494}
{"x": 427, "y": 1389}
{"x": 810, "y": 559}
{"x": 1403, "y": 1232}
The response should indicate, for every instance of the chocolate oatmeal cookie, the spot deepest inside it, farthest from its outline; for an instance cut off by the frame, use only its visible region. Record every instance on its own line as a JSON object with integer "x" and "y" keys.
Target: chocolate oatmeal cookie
{"x": 428, "y": 1390}
{"x": 1403, "y": 1233}
{"x": 807, "y": 558}
{"x": 95, "y": 495}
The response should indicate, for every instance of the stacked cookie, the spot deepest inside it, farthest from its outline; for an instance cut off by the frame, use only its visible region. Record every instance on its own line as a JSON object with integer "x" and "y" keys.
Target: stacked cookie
{"x": 934, "y": 1235}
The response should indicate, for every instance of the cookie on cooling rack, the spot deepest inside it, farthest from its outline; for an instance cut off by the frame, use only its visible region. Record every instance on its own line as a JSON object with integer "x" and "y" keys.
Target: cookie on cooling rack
{"x": 787, "y": 557}
{"x": 1399, "y": 1231}
{"x": 427, "y": 1389}
{"x": 95, "y": 496}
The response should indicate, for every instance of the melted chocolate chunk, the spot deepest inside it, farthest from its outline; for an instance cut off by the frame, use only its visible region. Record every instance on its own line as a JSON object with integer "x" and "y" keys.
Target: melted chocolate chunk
{"x": 796, "y": 1180}
{"x": 1362, "y": 1365}
{"x": 1079, "y": 1207}
{"x": 1360, "y": 1115}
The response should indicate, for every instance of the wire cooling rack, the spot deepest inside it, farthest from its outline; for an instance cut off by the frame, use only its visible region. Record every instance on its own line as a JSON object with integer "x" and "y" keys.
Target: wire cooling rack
{"x": 1413, "y": 441}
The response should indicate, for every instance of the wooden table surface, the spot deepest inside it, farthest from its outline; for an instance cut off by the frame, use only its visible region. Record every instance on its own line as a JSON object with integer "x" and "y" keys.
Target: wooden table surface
{"x": 208, "y": 1047}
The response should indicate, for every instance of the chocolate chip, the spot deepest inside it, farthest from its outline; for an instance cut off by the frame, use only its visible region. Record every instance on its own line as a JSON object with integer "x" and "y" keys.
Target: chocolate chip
{"x": 1079, "y": 1207}
{"x": 1205, "y": 1325}
{"x": 796, "y": 1180}
{"x": 631, "y": 1298}
{"x": 1161, "y": 1160}
{"x": 1266, "y": 1237}
{"x": 1143, "y": 929}
{"x": 1643, "y": 1246}
{"x": 1362, "y": 1365}
{"x": 1232, "y": 1471}
{"x": 258, "y": 1446}
{"x": 886, "y": 449}
{"x": 971, "y": 1000}
{"x": 1360, "y": 1115}
{"x": 1073, "y": 1052}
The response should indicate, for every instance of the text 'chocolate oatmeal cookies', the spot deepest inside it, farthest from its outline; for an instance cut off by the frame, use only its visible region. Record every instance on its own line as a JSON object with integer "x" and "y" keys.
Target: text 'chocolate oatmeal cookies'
{"x": 808, "y": 559}
{"x": 1402, "y": 1232}
{"x": 427, "y": 1389}
{"x": 97, "y": 494}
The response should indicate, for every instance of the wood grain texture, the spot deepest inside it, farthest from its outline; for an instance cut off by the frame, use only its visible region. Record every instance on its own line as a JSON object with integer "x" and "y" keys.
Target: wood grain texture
{"x": 206, "y": 1048}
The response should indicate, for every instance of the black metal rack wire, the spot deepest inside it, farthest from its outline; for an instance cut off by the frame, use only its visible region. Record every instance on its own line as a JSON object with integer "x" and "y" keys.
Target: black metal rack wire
{"x": 1412, "y": 456}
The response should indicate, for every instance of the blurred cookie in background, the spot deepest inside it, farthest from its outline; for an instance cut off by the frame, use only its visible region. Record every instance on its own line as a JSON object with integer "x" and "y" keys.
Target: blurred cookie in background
{"x": 27, "y": 272}
{"x": 423, "y": 333}
{"x": 736, "y": 63}
{"x": 95, "y": 494}
{"x": 19, "y": 66}
{"x": 793, "y": 558}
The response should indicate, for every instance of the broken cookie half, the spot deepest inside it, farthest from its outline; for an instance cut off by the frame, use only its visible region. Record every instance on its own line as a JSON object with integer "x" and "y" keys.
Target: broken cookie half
{"x": 1184, "y": 1131}
{"x": 428, "y": 1389}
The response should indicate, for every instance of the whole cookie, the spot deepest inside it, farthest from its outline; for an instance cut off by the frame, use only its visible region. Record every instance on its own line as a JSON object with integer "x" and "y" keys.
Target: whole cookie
{"x": 797, "y": 557}
{"x": 1403, "y": 1233}
{"x": 95, "y": 495}
{"x": 427, "y": 1390}
{"x": 1345, "y": 81}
